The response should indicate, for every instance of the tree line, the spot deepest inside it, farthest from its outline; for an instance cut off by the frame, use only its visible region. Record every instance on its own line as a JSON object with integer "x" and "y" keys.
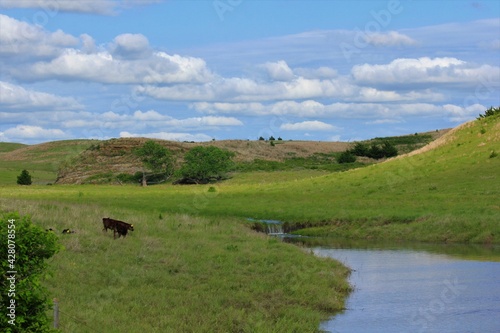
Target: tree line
{"x": 375, "y": 151}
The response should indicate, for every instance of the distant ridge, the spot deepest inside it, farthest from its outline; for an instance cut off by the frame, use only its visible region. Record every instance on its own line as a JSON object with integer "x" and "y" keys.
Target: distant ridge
{"x": 77, "y": 161}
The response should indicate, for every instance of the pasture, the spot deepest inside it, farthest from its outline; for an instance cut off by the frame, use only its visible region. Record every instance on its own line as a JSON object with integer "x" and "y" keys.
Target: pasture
{"x": 194, "y": 265}
{"x": 181, "y": 274}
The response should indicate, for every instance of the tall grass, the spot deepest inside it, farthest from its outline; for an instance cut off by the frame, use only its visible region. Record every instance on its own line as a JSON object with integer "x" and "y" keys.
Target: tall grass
{"x": 181, "y": 274}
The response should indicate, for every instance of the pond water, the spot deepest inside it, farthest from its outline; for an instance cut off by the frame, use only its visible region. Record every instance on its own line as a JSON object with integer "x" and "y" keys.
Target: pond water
{"x": 397, "y": 289}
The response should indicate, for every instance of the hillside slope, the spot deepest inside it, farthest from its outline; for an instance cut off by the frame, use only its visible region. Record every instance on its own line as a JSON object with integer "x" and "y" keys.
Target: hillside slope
{"x": 115, "y": 156}
{"x": 447, "y": 191}
{"x": 104, "y": 160}
{"x": 41, "y": 160}
{"x": 93, "y": 161}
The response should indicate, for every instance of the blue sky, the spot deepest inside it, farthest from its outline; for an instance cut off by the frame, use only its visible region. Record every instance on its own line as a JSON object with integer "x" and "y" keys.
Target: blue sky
{"x": 241, "y": 69}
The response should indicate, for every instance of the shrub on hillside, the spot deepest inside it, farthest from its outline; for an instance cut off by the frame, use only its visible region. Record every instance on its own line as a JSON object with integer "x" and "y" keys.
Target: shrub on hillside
{"x": 389, "y": 149}
{"x": 490, "y": 112}
{"x": 360, "y": 149}
{"x": 128, "y": 178}
{"x": 24, "y": 178}
{"x": 375, "y": 151}
{"x": 346, "y": 157}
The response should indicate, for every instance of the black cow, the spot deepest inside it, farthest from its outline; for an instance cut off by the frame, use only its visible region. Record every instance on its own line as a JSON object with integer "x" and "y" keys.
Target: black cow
{"x": 117, "y": 226}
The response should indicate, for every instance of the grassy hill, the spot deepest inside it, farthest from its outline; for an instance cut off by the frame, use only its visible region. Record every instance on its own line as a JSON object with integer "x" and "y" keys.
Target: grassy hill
{"x": 451, "y": 183}
{"x": 98, "y": 162}
{"x": 6, "y": 147}
{"x": 102, "y": 162}
{"x": 41, "y": 160}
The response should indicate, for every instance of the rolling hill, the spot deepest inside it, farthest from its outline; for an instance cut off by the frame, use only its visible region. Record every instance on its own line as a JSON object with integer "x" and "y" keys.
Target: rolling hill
{"x": 94, "y": 161}
{"x": 41, "y": 160}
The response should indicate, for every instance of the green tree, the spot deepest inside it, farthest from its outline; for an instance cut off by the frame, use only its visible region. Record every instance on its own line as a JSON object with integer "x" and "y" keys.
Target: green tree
{"x": 24, "y": 178}
{"x": 346, "y": 157}
{"x": 375, "y": 152}
{"x": 156, "y": 159}
{"x": 25, "y": 248}
{"x": 360, "y": 149}
{"x": 389, "y": 149}
{"x": 205, "y": 164}
{"x": 490, "y": 112}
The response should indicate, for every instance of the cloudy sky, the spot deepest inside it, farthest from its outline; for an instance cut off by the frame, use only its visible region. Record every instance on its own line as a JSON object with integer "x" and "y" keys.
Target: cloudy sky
{"x": 241, "y": 69}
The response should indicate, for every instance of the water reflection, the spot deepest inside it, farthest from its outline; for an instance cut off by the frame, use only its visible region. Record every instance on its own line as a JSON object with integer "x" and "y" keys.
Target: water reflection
{"x": 412, "y": 288}
{"x": 463, "y": 251}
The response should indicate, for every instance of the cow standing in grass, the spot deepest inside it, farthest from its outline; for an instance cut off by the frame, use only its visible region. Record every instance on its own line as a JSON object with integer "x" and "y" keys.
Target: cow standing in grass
{"x": 108, "y": 224}
{"x": 119, "y": 227}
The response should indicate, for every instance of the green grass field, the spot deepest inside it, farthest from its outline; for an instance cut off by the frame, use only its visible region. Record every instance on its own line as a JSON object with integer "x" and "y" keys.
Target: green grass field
{"x": 180, "y": 273}
{"x": 194, "y": 265}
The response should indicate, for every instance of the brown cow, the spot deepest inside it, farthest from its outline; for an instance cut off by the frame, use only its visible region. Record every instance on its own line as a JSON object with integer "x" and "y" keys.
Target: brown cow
{"x": 121, "y": 230}
{"x": 108, "y": 224}
{"x": 117, "y": 226}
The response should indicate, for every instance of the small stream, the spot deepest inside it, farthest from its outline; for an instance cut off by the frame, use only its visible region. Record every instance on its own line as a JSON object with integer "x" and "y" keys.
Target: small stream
{"x": 400, "y": 289}
{"x": 411, "y": 287}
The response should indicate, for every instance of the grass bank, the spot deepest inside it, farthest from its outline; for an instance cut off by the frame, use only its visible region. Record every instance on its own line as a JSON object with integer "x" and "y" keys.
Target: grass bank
{"x": 179, "y": 273}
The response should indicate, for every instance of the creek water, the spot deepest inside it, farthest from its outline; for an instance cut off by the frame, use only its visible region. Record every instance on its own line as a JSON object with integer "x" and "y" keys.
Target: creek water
{"x": 412, "y": 289}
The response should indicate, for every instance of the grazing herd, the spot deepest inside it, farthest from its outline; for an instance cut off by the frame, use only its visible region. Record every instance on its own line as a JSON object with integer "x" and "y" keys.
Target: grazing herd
{"x": 119, "y": 228}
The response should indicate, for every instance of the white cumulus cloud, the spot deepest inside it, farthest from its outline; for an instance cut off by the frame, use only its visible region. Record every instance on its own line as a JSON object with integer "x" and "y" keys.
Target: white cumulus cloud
{"x": 279, "y": 70}
{"x": 101, "y": 7}
{"x": 143, "y": 119}
{"x": 172, "y": 136}
{"x": 391, "y": 38}
{"x": 21, "y": 39}
{"x": 314, "y": 125}
{"x": 103, "y": 67}
{"x": 423, "y": 70}
{"x": 28, "y": 132}
{"x": 130, "y": 46}
{"x": 15, "y": 97}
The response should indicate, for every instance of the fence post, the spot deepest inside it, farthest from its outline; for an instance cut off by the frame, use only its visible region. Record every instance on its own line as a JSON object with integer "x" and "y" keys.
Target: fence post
{"x": 56, "y": 313}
